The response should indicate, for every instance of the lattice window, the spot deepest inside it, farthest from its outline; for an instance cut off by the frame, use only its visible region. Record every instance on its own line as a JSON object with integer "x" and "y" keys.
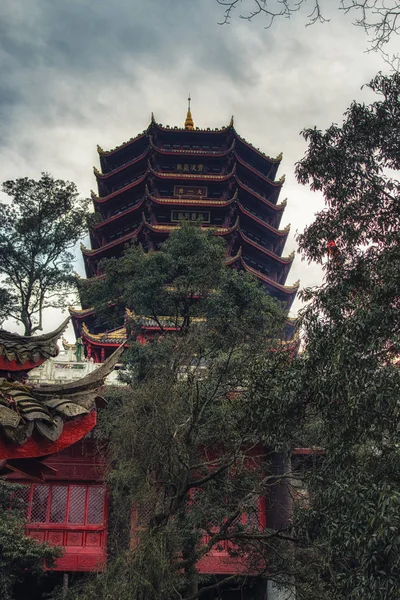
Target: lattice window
{"x": 144, "y": 514}
{"x": 38, "y": 513}
{"x": 58, "y": 507}
{"x": 255, "y": 513}
{"x": 77, "y": 504}
{"x": 95, "y": 505}
{"x": 20, "y": 498}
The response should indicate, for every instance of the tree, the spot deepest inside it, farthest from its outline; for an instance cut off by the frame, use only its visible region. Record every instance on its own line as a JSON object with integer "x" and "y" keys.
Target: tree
{"x": 20, "y": 555}
{"x": 379, "y": 18}
{"x": 352, "y": 340}
{"x": 38, "y": 228}
{"x": 192, "y": 438}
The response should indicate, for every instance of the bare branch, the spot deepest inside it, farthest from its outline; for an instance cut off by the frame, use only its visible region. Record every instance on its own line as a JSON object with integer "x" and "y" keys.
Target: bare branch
{"x": 380, "y": 19}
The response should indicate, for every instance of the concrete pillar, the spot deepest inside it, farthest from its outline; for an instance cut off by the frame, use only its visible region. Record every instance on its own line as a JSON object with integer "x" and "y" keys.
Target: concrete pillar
{"x": 279, "y": 513}
{"x": 279, "y": 498}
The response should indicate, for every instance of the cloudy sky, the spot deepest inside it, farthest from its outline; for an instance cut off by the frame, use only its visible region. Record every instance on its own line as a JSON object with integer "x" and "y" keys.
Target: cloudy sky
{"x": 76, "y": 73}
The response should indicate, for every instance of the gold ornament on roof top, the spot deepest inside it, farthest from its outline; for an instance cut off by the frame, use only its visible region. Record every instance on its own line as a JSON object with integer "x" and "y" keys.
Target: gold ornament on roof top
{"x": 96, "y": 171}
{"x": 279, "y": 157}
{"x": 282, "y": 179}
{"x": 100, "y": 149}
{"x": 189, "y": 124}
{"x": 231, "y": 122}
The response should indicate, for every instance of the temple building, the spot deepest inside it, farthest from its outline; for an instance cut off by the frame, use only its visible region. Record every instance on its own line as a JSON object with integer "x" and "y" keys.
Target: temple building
{"x": 146, "y": 188}
{"x": 149, "y": 184}
{"x": 45, "y": 445}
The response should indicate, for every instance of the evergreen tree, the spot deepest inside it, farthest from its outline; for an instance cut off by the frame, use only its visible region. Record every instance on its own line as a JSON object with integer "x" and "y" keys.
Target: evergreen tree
{"x": 193, "y": 434}
{"x": 39, "y": 227}
{"x": 352, "y": 341}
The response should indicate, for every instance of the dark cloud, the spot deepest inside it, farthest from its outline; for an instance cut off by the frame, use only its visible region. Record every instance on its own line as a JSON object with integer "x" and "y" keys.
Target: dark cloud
{"x": 44, "y": 42}
{"x": 75, "y": 73}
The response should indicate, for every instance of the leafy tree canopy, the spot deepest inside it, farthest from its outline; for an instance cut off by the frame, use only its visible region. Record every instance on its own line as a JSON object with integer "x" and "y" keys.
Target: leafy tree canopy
{"x": 352, "y": 340}
{"x": 39, "y": 227}
{"x": 192, "y": 439}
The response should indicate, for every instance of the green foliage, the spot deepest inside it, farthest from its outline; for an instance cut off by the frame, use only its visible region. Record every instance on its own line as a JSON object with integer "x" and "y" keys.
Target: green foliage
{"x": 19, "y": 555}
{"x": 39, "y": 227}
{"x": 142, "y": 282}
{"x": 352, "y": 327}
{"x": 186, "y": 436}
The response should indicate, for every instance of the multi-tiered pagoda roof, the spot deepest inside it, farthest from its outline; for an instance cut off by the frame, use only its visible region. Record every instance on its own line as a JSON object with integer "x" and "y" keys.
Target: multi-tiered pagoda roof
{"x": 149, "y": 184}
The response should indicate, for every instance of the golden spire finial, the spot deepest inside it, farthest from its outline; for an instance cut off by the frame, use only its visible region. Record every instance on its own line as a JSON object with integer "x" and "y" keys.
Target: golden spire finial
{"x": 189, "y": 121}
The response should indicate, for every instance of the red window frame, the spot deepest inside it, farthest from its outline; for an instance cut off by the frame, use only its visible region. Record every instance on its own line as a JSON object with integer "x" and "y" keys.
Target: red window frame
{"x": 65, "y": 523}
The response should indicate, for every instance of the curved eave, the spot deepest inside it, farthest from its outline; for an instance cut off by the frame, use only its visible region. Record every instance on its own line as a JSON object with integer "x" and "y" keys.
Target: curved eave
{"x": 24, "y": 365}
{"x": 106, "y": 343}
{"x": 221, "y": 131}
{"x": 279, "y": 232}
{"x": 131, "y": 185}
{"x": 232, "y": 259}
{"x": 103, "y": 176}
{"x": 276, "y": 184}
{"x": 123, "y": 145}
{"x": 102, "y": 340}
{"x": 120, "y": 215}
{"x": 286, "y": 289}
{"x": 29, "y": 349}
{"x": 272, "y": 161}
{"x": 192, "y": 202}
{"x": 192, "y": 152}
{"x": 167, "y": 228}
{"x": 283, "y": 260}
{"x": 126, "y": 238}
{"x": 77, "y": 313}
{"x": 192, "y": 177}
{"x": 277, "y": 207}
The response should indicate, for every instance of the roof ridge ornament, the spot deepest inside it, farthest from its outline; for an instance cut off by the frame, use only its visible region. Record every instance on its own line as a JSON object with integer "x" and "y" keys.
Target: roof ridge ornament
{"x": 189, "y": 124}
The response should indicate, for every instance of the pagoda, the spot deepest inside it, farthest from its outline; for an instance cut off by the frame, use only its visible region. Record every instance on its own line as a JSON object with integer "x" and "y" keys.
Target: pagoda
{"x": 148, "y": 185}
